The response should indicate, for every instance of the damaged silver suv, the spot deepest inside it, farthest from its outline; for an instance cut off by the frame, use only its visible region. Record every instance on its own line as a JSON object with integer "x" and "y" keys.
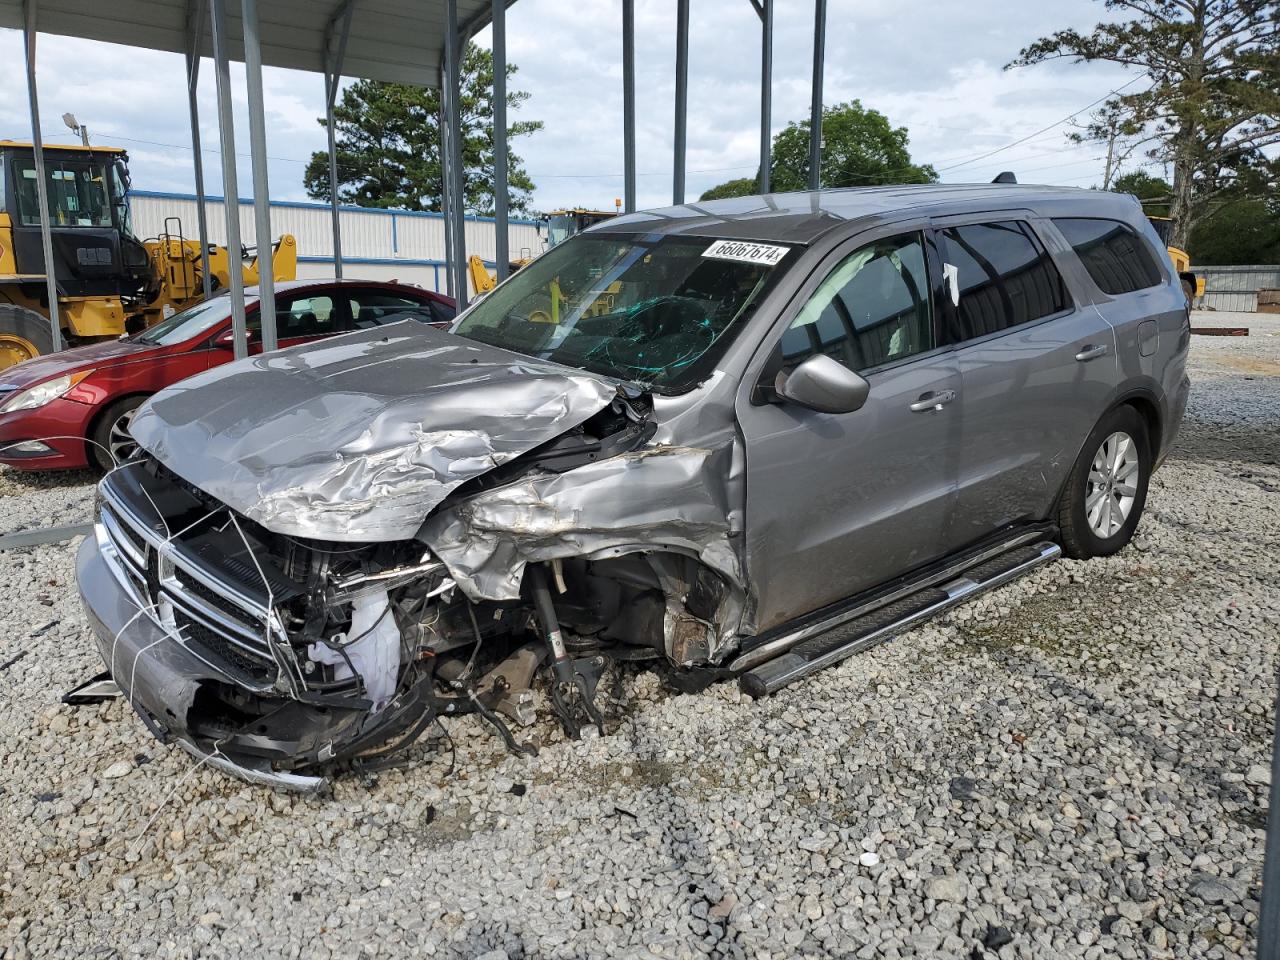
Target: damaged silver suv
{"x": 742, "y": 439}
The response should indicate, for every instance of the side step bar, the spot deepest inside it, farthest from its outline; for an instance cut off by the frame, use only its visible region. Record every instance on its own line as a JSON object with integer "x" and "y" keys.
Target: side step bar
{"x": 814, "y": 650}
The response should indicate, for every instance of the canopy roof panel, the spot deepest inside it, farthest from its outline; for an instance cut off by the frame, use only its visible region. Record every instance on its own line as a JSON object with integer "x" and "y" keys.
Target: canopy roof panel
{"x": 394, "y": 40}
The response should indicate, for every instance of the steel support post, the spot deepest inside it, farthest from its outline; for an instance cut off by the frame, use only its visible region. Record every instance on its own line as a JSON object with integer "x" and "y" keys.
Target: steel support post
{"x": 815, "y": 107}
{"x": 453, "y": 124}
{"x": 446, "y": 187}
{"x": 766, "y": 92}
{"x": 258, "y": 161}
{"x": 502, "y": 252}
{"x": 42, "y": 184}
{"x": 230, "y": 189}
{"x": 195, "y": 30}
{"x": 682, "y": 99}
{"x": 629, "y": 105}
{"x": 335, "y": 50}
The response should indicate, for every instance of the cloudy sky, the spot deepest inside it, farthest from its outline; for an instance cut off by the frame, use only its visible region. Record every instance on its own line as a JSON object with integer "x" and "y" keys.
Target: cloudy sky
{"x": 933, "y": 66}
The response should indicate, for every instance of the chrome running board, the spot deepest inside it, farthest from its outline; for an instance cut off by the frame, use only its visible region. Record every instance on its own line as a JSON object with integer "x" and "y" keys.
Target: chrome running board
{"x": 808, "y": 649}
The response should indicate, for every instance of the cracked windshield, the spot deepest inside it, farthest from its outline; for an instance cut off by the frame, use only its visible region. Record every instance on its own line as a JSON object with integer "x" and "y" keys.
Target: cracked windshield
{"x": 654, "y": 310}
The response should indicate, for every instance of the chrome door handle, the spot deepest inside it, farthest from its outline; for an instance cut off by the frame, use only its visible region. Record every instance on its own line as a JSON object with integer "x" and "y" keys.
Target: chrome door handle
{"x": 932, "y": 401}
{"x": 1092, "y": 352}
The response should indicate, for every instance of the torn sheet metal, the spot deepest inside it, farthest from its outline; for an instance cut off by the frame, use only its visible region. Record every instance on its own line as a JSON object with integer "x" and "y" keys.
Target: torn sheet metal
{"x": 658, "y": 498}
{"x": 357, "y": 438}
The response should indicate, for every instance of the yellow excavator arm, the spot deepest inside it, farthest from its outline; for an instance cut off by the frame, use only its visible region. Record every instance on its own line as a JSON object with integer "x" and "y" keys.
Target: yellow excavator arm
{"x": 482, "y": 281}
{"x": 176, "y": 265}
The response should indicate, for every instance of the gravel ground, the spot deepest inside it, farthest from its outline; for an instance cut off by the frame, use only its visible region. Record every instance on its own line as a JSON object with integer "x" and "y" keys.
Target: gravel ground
{"x": 1074, "y": 766}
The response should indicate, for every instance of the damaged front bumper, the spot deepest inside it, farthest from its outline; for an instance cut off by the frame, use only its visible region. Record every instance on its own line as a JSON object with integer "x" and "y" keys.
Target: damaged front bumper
{"x": 182, "y": 698}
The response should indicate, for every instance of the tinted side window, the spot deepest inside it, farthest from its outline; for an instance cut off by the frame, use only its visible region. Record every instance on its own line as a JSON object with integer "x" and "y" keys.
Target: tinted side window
{"x": 308, "y": 316}
{"x": 1005, "y": 277}
{"x": 372, "y": 308}
{"x": 871, "y": 309}
{"x": 1113, "y": 253}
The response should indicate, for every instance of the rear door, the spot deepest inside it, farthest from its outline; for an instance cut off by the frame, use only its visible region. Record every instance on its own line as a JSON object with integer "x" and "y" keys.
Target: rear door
{"x": 836, "y": 503}
{"x": 1138, "y": 296}
{"x": 1036, "y": 371}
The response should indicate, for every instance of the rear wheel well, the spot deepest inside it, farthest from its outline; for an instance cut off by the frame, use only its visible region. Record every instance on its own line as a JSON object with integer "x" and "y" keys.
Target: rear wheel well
{"x": 1150, "y": 414}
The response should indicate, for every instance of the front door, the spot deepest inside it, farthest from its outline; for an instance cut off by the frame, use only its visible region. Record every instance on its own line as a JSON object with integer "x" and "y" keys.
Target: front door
{"x": 837, "y": 503}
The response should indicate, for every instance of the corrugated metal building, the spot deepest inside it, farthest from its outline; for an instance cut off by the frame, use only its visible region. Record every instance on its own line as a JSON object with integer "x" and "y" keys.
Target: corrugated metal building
{"x": 376, "y": 244}
{"x": 1236, "y": 288}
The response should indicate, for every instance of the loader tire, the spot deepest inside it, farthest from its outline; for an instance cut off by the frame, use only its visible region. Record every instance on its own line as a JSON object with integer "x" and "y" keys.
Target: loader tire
{"x": 23, "y": 334}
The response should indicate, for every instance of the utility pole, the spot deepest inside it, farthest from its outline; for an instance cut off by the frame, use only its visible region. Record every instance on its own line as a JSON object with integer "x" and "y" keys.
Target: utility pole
{"x": 1108, "y": 170}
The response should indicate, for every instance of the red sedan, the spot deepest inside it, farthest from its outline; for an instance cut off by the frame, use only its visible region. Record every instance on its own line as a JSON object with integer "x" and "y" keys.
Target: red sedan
{"x": 72, "y": 409}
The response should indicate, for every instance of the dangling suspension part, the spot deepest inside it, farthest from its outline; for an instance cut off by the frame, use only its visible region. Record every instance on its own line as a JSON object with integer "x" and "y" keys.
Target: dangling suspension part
{"x": 574, "y": 681}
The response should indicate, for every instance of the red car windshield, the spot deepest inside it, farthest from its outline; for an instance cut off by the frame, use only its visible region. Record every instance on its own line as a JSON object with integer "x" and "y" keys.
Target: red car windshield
{"x": 189, "y": 323}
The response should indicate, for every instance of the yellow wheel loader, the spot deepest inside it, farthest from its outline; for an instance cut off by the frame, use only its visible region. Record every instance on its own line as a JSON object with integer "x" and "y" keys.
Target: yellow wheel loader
{"x": 1192, "y": 285}
{"x": 561, "y": 225}
{"x": 108, "y": 281}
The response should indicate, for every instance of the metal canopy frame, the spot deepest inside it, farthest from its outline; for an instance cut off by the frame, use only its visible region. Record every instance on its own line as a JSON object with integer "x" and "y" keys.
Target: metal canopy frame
{"x": 42, "y": 189}
{"x": 193, "y": 27}
{"x": 336, "y": 33}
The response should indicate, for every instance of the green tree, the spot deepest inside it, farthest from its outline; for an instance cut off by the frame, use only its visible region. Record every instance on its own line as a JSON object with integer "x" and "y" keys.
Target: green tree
{"x": 1154, "y": 192}
{"x": 860, "y": 149}
{"x": 744, "y": 187}
{"x": 1240, "y": 231}
{"x": 1209, "y": 111}
{"x": 388, "y": 144}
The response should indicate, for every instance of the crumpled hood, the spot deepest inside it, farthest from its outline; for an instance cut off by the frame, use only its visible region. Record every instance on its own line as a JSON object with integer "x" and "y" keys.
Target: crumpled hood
{"x": 360, "y": 436}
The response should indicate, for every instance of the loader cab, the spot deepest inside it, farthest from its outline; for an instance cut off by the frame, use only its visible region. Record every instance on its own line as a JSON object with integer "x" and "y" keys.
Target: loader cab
{"x": 563, "y": 224}
{"x": 94, "y": 250}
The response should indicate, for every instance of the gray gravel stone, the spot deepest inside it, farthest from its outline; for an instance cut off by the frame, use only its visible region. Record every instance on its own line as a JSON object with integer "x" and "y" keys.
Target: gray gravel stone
{"x": 1113, "y": 717}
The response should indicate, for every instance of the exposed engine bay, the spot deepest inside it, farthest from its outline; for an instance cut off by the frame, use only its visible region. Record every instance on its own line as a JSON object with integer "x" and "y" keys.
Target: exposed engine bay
{"x": 510, "y": 600}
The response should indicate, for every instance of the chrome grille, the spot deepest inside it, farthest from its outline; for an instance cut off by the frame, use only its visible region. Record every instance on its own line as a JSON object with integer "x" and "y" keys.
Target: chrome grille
{"x": 204, "y": 611}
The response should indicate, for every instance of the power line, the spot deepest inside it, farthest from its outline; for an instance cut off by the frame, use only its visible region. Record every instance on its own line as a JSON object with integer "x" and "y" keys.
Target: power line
{"x": 1070, "y": 116}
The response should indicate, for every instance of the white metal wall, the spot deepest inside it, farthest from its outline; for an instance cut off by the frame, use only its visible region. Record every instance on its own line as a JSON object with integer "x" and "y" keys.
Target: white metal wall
{"x": 376, "y": 244}
{"x": 1236, "y": 288}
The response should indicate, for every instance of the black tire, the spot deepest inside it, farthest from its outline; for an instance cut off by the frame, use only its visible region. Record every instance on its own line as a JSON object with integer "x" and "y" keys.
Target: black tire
{"x": 1080, "y": 537}
{"x": 23, "y": 333}
{"x": 102, "y": 443}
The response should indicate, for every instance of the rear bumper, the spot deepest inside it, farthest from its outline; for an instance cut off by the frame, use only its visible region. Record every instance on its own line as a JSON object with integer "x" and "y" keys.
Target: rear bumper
{"x": 181, "y": 698}
{"x": 60, "y": 426}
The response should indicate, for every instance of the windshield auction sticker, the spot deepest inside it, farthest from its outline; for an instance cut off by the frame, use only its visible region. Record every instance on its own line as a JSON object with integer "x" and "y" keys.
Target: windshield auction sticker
{"x": 763, "y": 253}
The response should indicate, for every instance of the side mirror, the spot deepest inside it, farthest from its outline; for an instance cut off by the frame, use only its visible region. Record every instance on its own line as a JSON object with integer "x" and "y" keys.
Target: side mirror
{"x": 822, "y": 384}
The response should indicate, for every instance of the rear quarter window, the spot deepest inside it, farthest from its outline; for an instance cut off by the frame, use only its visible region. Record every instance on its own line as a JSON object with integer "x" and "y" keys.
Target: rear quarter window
{"x": 1116, "y": 257}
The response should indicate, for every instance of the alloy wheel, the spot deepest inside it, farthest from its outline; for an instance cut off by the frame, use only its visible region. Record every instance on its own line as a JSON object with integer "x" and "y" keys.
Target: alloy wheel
{"x": 120, "y": 441}
{"x": 1113, "y": 485}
